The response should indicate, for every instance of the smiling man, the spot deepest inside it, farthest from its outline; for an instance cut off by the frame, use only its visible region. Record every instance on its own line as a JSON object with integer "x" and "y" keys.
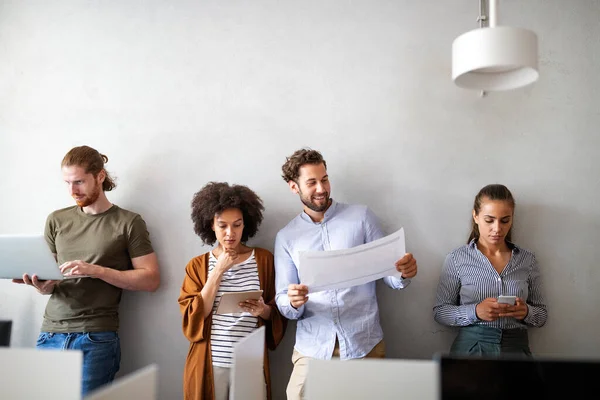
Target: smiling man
{"x": 110, "y": 249}
{"x": 340, "y": 323}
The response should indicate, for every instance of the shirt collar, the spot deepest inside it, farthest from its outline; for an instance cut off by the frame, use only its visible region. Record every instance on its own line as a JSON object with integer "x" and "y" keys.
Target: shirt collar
{"x": 473, "y": 245}
{"x": 328, "y": 214}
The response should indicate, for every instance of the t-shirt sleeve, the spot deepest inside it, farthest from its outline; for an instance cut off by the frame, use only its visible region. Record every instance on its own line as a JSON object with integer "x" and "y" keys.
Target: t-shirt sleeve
{"x": 138, "y": 243}
{"x": 50, "y": 233}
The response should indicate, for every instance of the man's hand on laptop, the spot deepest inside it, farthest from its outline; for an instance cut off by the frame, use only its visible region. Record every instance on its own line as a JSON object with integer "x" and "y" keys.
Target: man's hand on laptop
{"x": 78, "y": 267}
{"x": 44, "y": 287}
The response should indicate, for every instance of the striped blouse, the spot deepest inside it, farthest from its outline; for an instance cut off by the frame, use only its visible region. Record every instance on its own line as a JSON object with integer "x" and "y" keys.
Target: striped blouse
{"x": 228, "y": 329}
{"x": 468, "y": 277}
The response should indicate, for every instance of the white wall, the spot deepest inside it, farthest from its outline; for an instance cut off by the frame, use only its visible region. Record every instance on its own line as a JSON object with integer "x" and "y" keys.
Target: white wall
{"x": 181, "y": 93}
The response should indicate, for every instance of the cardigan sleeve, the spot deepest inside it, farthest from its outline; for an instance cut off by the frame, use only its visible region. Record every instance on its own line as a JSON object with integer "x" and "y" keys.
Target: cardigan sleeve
{"x": 190, "y": 301}
{"x": 276, "y": 326}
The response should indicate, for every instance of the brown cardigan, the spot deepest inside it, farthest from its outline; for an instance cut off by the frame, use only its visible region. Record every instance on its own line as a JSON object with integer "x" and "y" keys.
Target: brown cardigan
{"x": 198, "y": 380}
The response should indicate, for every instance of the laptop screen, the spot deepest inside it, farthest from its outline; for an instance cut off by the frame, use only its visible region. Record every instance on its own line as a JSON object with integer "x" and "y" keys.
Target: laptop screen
{"x": 511, "y": 378}
{"x": 5, "y": 331}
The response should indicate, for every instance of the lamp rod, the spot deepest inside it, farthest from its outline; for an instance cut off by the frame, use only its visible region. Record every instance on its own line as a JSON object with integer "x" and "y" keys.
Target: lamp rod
{"x": 493, "y": 13}
{"x": 482, "y": 18}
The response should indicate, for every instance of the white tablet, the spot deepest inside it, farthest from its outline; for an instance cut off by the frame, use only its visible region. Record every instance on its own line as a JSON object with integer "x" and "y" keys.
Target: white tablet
{"x": 229, "y": 303}
{"x": 28, "y": 254}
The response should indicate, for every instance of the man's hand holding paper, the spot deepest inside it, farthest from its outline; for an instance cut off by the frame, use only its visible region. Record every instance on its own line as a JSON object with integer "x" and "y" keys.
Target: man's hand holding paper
{"x": 298, "y": 295}
{"x": 407, "y": 266}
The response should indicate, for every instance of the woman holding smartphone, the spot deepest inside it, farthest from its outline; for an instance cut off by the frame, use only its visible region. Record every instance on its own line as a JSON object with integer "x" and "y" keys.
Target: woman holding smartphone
{"x": 479, "y": 278}
{"x": 228, "y": 215}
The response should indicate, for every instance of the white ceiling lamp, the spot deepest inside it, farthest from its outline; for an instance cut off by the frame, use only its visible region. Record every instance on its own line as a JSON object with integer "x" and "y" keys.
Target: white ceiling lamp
{"x": 494, "y": 58}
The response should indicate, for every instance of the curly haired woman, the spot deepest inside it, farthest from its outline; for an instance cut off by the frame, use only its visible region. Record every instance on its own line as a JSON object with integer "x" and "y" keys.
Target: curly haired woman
{"x": 229, "y": 216}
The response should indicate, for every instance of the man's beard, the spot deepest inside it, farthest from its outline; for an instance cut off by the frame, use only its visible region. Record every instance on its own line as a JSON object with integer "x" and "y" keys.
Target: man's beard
{"x": 315, "y": 207}
{"x": 89, "y": 200}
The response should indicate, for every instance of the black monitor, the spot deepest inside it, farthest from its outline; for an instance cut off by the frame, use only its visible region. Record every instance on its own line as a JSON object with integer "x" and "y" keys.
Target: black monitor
{"x": 5, "y": 330}
{"x": 512, "y": 378}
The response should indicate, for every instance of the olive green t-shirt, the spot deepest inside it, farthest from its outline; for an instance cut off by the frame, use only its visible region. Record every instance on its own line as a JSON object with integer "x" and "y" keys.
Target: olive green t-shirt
{"x": 110, "y": 239}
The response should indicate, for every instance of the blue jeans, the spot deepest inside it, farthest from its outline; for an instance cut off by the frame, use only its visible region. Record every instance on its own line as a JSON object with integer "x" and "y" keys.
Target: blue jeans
{"x": 101, "y": 354}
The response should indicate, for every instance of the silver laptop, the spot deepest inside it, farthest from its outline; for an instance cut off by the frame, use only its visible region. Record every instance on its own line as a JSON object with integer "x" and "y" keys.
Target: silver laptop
{"x": 28, "y": 254}
{"x": 29, "y": 373}
{"x": 141, "y": 384}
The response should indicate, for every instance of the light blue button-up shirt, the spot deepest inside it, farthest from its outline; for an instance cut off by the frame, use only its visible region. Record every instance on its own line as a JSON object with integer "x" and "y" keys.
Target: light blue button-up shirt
{"x": 352, "y": 314}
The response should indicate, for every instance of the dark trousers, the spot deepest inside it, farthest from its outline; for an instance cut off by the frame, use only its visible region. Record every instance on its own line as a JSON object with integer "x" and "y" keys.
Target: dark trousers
{"x": 478, "y": 340}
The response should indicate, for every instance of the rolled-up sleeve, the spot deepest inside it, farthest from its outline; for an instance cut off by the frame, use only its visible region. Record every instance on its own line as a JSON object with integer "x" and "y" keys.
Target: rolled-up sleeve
{"x": 286, "y": 274}
{"x": 373, "y": 232}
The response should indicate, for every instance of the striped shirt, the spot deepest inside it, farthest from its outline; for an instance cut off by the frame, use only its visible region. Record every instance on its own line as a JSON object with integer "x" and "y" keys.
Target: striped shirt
{"x": 229, "y": 329}
{"x": 468, "y": 277}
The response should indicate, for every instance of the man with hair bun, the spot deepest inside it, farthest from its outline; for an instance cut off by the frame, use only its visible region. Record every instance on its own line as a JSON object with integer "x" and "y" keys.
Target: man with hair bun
{"x": 103, "y": 249}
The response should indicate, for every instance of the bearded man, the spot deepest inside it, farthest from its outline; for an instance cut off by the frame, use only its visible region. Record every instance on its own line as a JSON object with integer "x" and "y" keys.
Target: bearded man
{"x": 102, "y": 249}
{"x": 340, "y": 323}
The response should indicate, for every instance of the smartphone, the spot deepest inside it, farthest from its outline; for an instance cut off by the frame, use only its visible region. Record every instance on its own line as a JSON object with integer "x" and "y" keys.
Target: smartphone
{"x": 507, "y": 300}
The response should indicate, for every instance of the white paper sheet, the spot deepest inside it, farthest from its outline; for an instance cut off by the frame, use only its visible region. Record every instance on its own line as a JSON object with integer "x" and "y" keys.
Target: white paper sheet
{"x": 338, "y": 269}
{"x": 247, "y": 376}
